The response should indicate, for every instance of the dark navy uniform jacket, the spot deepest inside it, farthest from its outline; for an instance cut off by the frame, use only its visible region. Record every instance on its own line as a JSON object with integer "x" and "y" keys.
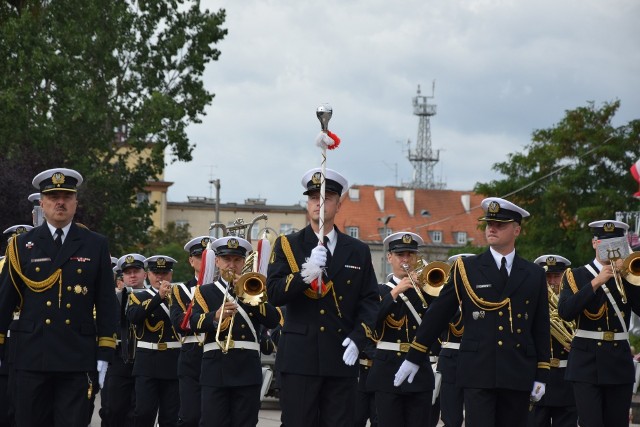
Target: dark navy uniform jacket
{"x": 397, "y": 324}
{"x": 590, "y": 360}
{"x": 150, "y": 316}
{"x": 314, "y": 328}
{"x": 506, "y": 340}
{"x": 238, "y": 367}
{"x": 190, "y": 353}
{"x": 57, "y": 291}
{"x": 448, "y": 358}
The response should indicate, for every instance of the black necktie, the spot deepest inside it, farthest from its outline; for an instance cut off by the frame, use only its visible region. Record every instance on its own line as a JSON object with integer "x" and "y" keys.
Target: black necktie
{"x": 58, "y": 237}
{"x": 326, "y": 245}
{"x": 503, "y": 272}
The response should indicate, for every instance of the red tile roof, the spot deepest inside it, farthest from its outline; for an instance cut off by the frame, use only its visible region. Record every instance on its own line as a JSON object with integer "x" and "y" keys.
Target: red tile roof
{"x": 443, "y": 211}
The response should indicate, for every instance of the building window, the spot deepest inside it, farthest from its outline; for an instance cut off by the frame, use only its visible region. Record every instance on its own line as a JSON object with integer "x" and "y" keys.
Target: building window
{"x": 182, "y": 223}
{"x": 255, "y": 233}
{"x": 286, "y": 229}
{"x": 354, "y": 194}
{"x": 142, "y": 198}
{"x": 461, "y": 237}
{"x": 353, "y": 232}
{"x": 436, "y": 236}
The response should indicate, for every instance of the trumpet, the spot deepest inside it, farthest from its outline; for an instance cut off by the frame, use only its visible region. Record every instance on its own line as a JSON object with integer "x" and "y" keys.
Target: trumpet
{"x": 405, "y": 267}
{"x": 631, "y": 268}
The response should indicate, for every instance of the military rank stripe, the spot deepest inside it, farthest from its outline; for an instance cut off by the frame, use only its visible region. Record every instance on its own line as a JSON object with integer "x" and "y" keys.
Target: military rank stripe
{"x": 201, "y": 320}
{"x": 421, "y": 348}
{"x": 107, "y": 342}
{"x": 544, "y": 365}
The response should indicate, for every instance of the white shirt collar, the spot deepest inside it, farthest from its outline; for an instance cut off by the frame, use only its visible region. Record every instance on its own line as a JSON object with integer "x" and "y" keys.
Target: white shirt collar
{"x": 65, "y": 230}
{"x": 597, "y": 264}
{"x": 333, "y": 239}
{"x": 497, "y": 257}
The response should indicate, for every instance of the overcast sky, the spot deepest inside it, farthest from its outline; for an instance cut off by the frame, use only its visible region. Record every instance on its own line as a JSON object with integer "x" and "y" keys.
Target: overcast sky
{"x": 502, "y": 68}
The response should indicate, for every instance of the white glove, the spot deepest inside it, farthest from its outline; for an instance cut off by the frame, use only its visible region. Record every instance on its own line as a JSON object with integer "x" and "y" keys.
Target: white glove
{"x": 351, "y": 353}
{"x": 538, "y": 391}
{"x": 407, "y": 371}
{"x": 319, "y": 256}
{"x": 102, "y": 371}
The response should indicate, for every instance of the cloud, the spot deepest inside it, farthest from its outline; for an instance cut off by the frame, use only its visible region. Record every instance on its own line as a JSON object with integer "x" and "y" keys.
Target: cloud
{"x": 503, "y": 68}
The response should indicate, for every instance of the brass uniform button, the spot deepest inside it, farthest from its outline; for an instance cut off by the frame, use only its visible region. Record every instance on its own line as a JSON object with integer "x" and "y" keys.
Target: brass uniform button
{"x": 68, "y": 322}
{"x": 48, "y": 321}
{"x": 68, "y": 305}
{"x": 79, "y": 271}
{"x": 500, "y": 328}
{"x": 37, "y": 269}
{"x": 499, "y": 343}
{"x": 321, "y": 328}
{"x": 321, "y": 311}
{"x": 48, "y": 303}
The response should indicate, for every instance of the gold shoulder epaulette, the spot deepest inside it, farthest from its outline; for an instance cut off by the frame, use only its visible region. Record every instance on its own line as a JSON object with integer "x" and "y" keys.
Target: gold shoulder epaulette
{"x": 197, "y": 296}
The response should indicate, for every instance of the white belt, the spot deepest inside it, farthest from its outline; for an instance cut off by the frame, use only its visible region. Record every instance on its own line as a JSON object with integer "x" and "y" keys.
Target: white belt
{"x": 451, "y": 345}
{"x": 193, "y": 339}
{"x": 393, "y": 346}
{"x": 248, "y": 345}
{"x": 161, "y": 346}
{"x": 557, "y": 363}
{"x": 604, "y": 336}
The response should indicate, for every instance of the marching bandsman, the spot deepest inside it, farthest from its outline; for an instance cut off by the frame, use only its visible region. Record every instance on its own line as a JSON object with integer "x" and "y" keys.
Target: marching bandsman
{"x": 365, "y": 410}
{"x": 56, "y": 274}
{"x": 600, "y": 363}
{"x": 326, "y": 321}
{"x": 503, "y": 360}
{"x": 191, "y": 351}
{"x": 399, "y": 316}
{"x": 155, "y": 367}
{"x": 119, "y": 391}
{"x": 451, "y": 396}
{"x": 558, "y": 406}
{"x": 231, "y": 375}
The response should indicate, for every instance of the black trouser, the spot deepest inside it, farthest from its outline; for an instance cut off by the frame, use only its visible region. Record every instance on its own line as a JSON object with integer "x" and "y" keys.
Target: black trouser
{"x": 409, "y": 410}
{"x": 558, "y": 416}
{"x": 495, "y": 407}
{"x": 153, "y": 394}
{"x": 5, "y": 420}
{"x": 189, "y": 414}
{"x": 313, "y": 401}
{"x": 51, "y": 399}
{"x": 119, "y": 394}
{"x": 451, "y": 404}
{"x": 230, "y": 406}
{"x": 600, "y": 405}
{"x": 365, "y": 409}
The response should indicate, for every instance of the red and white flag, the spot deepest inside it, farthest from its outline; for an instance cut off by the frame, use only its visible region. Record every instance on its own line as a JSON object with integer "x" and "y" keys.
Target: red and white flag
{"x": 635, "y": 171}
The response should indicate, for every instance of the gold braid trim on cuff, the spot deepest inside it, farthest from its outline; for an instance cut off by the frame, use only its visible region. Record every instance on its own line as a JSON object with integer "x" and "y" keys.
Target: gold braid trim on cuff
{"x": 544, "y": 365}
{"x": 2, "y": 338}
{"x": 421, "y": 348}
{"x": 107, "y": 342}
{"x": 201, "y": 320}
{"x": 477, "y": 301}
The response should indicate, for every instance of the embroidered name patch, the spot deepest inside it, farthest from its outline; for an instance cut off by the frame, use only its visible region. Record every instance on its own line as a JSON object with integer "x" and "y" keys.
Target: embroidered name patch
{"x": 40, "y": 259}
{"x": 354, "y": 267}
{"x": 488, "y": 285}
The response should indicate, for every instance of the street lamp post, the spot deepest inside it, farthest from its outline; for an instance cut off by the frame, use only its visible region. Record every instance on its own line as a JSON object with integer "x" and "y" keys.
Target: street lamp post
{"x": 216, "y": 183}
{"x": 383, "y": 265}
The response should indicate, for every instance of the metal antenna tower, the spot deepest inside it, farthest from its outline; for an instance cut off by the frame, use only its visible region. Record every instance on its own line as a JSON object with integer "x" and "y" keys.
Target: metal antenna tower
{"x": 423, "y": 157}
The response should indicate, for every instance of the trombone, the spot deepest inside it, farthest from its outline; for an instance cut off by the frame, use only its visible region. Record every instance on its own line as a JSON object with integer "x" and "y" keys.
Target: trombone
{"x": 630, "y": 272}
{"x": 228, "y": 276}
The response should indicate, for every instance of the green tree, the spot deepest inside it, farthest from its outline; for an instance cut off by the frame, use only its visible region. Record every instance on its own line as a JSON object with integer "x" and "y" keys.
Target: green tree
{"x": 170, "y": 242}
{"x": 569, "y": 175}
{"x": 106, "y": 88}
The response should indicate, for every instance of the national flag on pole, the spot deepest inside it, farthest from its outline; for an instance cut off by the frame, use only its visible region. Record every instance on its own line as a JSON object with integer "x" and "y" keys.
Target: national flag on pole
{"x": 635, "y": 171}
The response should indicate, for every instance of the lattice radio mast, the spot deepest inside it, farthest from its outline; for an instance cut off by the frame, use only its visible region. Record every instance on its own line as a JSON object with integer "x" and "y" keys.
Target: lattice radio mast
{"x": 423, "y": 158}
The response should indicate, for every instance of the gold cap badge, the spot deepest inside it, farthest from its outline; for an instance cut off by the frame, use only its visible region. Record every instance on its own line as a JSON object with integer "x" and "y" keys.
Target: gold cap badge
{"x": 233, "y": 243}
{"x": 608, "y": 227}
